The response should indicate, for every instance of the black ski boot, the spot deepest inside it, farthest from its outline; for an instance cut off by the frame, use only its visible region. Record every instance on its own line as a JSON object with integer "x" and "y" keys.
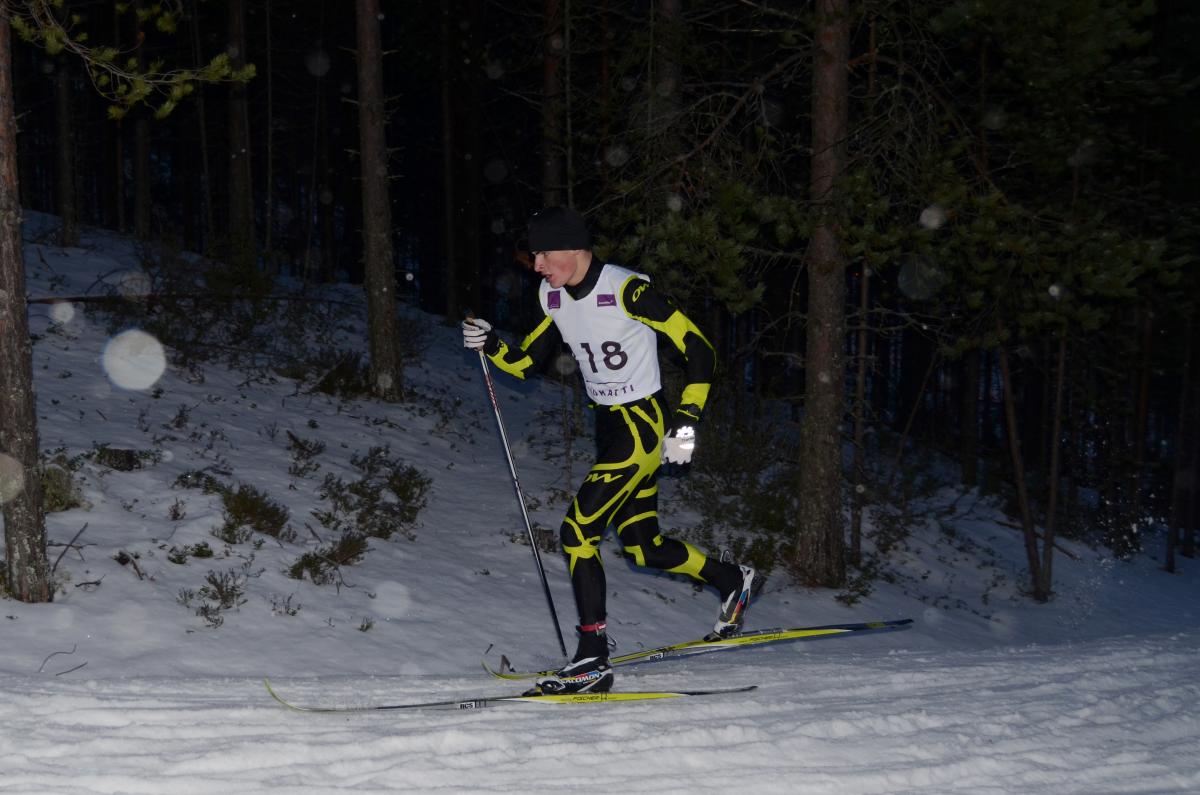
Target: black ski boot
{"x": 588, "y": 672}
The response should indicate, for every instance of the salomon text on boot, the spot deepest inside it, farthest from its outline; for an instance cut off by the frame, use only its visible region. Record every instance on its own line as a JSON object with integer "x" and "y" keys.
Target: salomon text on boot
{"x": 588, "y": 672}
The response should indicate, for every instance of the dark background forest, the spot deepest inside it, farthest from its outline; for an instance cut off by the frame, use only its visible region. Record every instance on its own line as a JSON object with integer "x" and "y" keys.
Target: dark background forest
{"x": 956, "y": 230}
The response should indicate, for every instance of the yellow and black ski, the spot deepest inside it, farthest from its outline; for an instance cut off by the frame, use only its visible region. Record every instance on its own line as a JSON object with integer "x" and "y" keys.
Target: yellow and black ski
{"x": 524, "y": 698}
{"x": 705, "y": 645}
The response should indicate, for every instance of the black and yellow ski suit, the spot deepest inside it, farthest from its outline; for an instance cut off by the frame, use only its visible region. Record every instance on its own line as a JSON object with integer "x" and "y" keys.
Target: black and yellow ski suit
{"x": 611, "y": 321}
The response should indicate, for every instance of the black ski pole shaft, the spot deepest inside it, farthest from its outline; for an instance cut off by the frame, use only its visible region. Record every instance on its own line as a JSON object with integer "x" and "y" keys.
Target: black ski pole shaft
{"x": 512, "y": 469}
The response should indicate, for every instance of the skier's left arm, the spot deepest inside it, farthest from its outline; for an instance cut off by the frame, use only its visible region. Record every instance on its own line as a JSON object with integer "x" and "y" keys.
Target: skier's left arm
{"x": 643, "y": 303}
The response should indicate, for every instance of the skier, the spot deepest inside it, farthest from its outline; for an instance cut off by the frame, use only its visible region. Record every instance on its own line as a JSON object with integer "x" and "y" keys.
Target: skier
{"x": 610, "y": 317}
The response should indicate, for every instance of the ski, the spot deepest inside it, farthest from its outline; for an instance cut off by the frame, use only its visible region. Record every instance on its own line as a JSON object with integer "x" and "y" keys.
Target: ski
{"x": 483, "y": 702}
{"x": 703, "y": 646}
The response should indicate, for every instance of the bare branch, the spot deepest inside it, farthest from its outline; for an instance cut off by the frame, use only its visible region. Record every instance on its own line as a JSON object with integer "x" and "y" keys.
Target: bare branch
{"x": 42, "y": 667}
{"x": 69, "y": 545}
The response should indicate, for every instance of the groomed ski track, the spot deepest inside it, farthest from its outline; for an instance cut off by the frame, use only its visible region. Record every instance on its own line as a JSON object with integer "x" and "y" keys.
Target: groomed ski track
{"x": 1101, "y": 717}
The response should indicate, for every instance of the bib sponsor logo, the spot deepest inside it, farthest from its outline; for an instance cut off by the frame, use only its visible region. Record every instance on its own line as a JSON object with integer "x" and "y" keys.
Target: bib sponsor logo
{"x": 554, "y": 300}
{"x": 610, "y": 392}
{"x": 606, "y": 299}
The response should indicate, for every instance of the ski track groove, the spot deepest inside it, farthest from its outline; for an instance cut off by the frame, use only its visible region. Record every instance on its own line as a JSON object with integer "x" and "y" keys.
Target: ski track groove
{"x": 979, "y": 726}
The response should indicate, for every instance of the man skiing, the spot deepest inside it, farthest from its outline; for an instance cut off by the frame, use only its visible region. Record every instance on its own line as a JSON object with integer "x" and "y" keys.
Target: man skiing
{"x": 610, "y": 318}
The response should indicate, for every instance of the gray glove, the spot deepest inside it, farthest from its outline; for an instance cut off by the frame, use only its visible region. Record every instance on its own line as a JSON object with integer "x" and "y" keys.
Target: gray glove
{"x": 475, "y": 333}
{"x": 679, "y": 445}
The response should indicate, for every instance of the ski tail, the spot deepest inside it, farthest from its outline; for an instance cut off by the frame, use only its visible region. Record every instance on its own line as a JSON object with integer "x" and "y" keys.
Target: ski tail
{"x": 704, "y": 646}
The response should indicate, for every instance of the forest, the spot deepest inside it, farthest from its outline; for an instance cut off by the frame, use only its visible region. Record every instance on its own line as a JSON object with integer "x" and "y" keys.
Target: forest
{"x": 922, "y": 235}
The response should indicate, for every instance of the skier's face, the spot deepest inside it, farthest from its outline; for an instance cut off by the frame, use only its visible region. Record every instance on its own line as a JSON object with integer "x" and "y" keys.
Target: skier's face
{"x": 562, "y": 267}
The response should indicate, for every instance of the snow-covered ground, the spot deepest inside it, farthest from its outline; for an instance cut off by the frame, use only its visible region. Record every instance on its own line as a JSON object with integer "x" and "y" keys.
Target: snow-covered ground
{"x": 118, "y": 686}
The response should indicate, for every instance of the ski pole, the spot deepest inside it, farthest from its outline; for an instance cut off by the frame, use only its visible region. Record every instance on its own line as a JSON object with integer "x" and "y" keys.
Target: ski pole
{"x": 537, "y": 558}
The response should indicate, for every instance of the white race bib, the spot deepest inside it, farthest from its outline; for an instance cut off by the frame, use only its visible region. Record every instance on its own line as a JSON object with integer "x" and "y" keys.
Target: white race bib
{"x": 617, "y": 355}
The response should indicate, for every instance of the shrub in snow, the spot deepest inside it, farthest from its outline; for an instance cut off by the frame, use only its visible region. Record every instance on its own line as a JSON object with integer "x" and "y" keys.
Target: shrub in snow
{"x": 59, "y": 492}
{"x": 322, "y": 566}
{"x": 247, "y": 510}
{"x": 385, "y": 500}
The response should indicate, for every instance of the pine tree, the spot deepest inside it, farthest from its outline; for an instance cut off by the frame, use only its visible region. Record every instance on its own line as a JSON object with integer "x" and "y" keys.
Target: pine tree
{"x": 28, "y": 572}
{"x": 380, "y": 285}
{"x": 820, "y": 545}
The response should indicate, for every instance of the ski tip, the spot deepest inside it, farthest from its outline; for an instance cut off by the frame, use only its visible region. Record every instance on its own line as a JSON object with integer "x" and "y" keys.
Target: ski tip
{"x": 271, "y": 690}
{"x": 279, "y": 698}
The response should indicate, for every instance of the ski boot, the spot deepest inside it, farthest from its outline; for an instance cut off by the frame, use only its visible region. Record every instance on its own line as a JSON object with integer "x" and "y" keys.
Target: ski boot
{"x": 735, "y": 604}
{"x": 588, "y": 672}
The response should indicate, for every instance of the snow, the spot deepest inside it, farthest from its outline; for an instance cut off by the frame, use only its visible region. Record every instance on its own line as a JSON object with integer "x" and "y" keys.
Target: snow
{"x": 119, "y": 687}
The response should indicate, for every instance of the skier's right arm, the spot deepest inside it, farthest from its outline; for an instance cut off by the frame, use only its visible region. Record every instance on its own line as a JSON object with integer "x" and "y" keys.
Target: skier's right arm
{"x": 536, "y": 348}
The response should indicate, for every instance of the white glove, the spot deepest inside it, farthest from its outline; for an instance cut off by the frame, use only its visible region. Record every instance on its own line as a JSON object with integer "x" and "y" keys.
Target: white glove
{"x": 475, "y": 333}
{"x": 679, "y": 445}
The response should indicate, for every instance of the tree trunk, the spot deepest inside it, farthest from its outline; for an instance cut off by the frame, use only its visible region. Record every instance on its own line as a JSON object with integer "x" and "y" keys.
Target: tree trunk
{"x": 1183, "y": 490}
{"x": 820, "y": 543}
{"x": 460, "y": 156}
{"x": 118, "y": 155}
{"x": 1074, "y": 467}
{"x": 881, "y": 377}
{"x": 665, "y": 89}
{"x": 241, "y": 186}
{"x": 118, "y": 151}
{"x": 1191, "y": 514}
{"x": 141, "y": 174}
{"x": 1141, "y": 417}
{"x": 1031, "y": 399}
{"x": 326, "y": 197}
{"x": 65, "y": 146}
{"x": 968, "y": 420}
{"x": 142, "y": 190}
{"x": 553, "y": 178}
{"x": 1014, "y": 449}
{"x": 386, "y": 375}
{"x": 454, "y": 305}
{"x": 469, "y": 158}
{"x": 28, "y": 573}
{"x": 202, "y": 127}
{"x": 1060, "y": 385}
{"x": 989, "y": 428}
{"x": 859, "y": 474}
{"x": 604, "y": 100}
{"x": 916, "y": 357}
{"x": 669, "y": 73}
{"x": 269, "y": 150}
{"x": 902, "y": 442}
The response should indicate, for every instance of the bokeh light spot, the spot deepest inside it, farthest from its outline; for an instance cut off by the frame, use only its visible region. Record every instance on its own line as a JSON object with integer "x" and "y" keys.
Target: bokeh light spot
{"x": 134, "y": 360}
{"x": 62, "y": 312}
{"x": 12, "y": 478}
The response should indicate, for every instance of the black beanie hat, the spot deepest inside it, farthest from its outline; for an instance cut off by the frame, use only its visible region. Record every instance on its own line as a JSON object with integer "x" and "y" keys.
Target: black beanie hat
{"x": 558, "y": 229}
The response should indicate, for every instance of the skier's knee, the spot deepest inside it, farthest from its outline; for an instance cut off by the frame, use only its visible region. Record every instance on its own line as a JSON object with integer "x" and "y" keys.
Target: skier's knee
{"x": 576, "y": 543}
